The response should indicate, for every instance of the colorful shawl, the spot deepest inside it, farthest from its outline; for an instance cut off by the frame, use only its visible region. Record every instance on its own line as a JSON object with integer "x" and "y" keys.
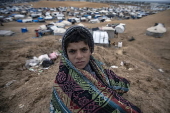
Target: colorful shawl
{"x": 77, "y": 91}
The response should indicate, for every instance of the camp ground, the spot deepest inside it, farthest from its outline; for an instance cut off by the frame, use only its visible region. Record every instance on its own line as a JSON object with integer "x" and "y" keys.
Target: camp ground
{"x": 92, "y": 15}
{"x": 56, "y": 20}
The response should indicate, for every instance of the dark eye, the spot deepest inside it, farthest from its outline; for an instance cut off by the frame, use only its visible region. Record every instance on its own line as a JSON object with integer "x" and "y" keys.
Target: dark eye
{"x": 84, "y": 49}
{"x": 72, "y": 51}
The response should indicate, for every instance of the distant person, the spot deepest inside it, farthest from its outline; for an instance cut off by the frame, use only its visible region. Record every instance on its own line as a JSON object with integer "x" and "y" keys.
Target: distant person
{"x": 116, "y": 33}
{"x": 73, "y": 21}
{"x": 82, "y": 85}
{"x": 1, "y": 21}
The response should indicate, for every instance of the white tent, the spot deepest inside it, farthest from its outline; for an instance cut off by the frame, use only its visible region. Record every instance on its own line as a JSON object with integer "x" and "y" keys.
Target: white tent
{"x": 27, "y": 20}
{"x": 156, "y": 31}
{"x": 120, "y": 28}
{"x": 103, "y": 11}
{"x": 110, "y": 31}
{"x": 80, "y": 24}
{"x": 35, "y": 14}
{"x": 6, "y": 33}
{"x": 94, "y": 21}
{"x": 59, "y": 25}
{"x": 66, "y": 23}
{"x": 43, "y": 27}
{"x": 59, "y": 31}
{"x": 100, "y": 37}
{"x": 48, "y": 17}
{"x": 19, "y": 16}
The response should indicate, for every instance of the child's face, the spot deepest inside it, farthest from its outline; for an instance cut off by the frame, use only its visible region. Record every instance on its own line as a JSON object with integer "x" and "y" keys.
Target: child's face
{"x": 79, "y": 54}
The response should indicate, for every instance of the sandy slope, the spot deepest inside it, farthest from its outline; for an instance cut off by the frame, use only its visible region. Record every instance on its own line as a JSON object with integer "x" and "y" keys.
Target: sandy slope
{"x": 31, "y": 91}
{"x": 67, "y": 4}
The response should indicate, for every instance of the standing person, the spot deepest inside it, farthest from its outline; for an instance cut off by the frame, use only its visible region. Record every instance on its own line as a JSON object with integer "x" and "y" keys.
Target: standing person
{"x": 82, "y": 85}
{"x": 1, "y": 21}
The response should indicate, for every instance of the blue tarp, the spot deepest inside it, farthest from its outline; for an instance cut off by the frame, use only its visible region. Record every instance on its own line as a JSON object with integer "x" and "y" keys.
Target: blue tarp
{"x": 19, "y": 21}
{"x": 40, "y": 18}
{"x": 35, "y": 20}
{"x": 60, "y": 20}
{"x": 86, "y": 15}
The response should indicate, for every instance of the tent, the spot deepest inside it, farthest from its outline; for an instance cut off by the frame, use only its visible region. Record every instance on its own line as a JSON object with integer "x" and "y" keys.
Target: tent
{"x": 80, "y": 24}
{"x": 59, "y": 25}
{"x": 66, "y": 23}
{"x": 35, "y": 15}
{"x": 94, "y": 21}
{"x": 18, "y": 16}
{"x": 156, "y": 31}
{"x": 27, "y": 20}
{"x": 100, "y": 37}
{"x": 6, "y": 33}
{"x": 110, "y": 31}
{"x": 48, "y": 17}
{"x": 59, "y": 31}
{"x": 120, "y": 28}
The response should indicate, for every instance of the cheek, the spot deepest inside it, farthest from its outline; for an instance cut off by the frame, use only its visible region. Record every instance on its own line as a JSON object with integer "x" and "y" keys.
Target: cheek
{"x": 88, "y": 55}
{"x": 71, "y": 58}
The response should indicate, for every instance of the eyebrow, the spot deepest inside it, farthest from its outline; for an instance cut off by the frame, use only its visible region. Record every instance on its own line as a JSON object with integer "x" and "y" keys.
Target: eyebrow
{"x": 80, "y": 48}
{"x": 84, "y": 48}
{"x": 76, "y": 49}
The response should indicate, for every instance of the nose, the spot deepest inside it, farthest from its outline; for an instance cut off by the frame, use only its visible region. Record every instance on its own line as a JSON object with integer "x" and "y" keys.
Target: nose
{"x": 79, "y": 55}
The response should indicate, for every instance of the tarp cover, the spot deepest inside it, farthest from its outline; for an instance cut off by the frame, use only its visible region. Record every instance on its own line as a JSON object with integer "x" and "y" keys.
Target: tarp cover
{"x": 6, "y": 33}
{"x": 66, "y": 22}
{"x": 59, "y": 24}
{"x": 100, "y": 37}
{"x": 157, "y": 29}
{"x": 59, "y": 30}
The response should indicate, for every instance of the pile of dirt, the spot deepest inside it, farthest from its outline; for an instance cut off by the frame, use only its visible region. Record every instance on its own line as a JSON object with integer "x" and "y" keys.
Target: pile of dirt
{"x": 146, "y": 62}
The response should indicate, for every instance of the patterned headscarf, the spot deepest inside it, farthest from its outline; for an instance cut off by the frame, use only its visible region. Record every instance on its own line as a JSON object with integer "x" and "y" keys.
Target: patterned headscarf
{"x": 84, "y": 31}
{"x": 79, "y": 91}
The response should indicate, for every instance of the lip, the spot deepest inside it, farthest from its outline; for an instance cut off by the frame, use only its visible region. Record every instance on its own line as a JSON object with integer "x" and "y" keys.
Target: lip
{"x": 80, "y": 62}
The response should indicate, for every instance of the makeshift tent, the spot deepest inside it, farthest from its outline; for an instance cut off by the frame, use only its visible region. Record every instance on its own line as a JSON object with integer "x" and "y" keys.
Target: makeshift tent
{"x": 156, "y": 31}
{"x": 48, "y": 17}
{"x": 43, "y": 27}
{"x": 8, "y": 19}
{"x": 27, "y": 20}
{"x": 35, "y": 20}
{"x": 59, "y": 31}
{"x": 94, "y": 21}
{"x": 66, "y": 23}
{"x": 110, "y": 31}
{"x": 6, "y": 33}
{"x": 73, "y": 18}
{"x": 18, "y": 16}
{"x": 83, "y": 19}
{"x": 34, "y": 15}
{"x": 60, "y": 18}
{"x": 107, "y": 20}
{"x": 100, "y": 37}
{"x": 80, "y": 24}
{"x": 55, "y": 13}
{"x": 59, "y": 25}
{"x": 120, "y": 28}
